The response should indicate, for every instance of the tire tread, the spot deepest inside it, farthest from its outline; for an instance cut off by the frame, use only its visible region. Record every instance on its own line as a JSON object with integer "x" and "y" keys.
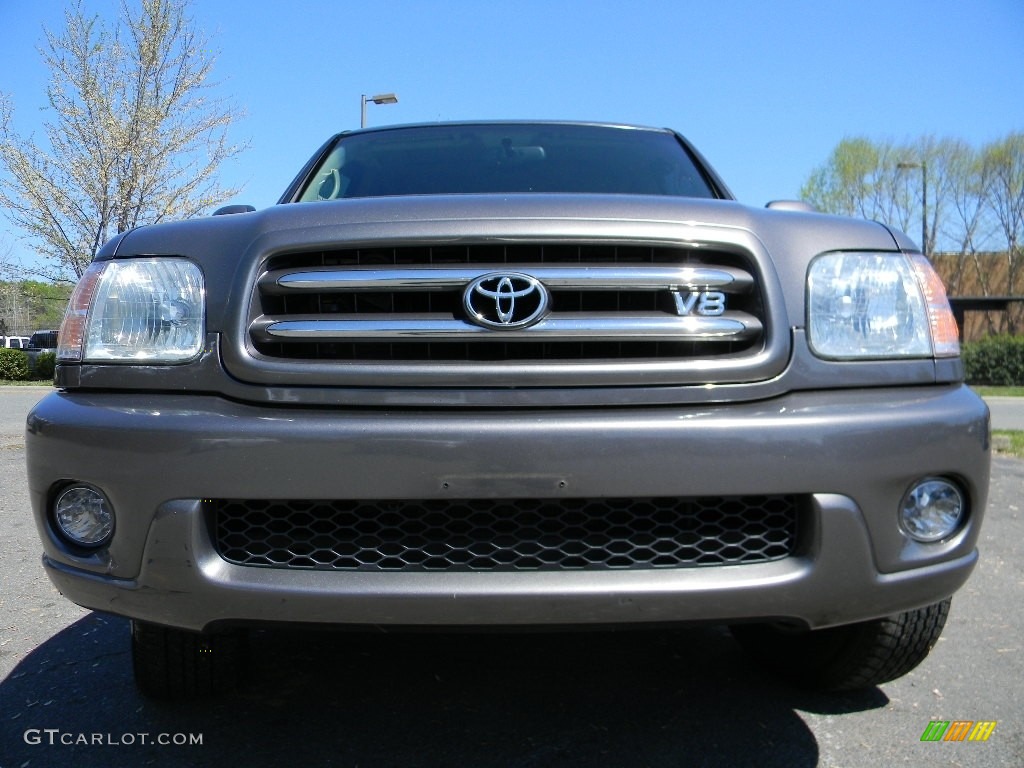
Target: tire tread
{"x": 849, "y": 657}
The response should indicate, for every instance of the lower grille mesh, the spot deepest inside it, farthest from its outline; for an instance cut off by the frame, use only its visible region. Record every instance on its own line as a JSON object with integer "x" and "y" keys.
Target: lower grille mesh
{"x": 505, "y": 535}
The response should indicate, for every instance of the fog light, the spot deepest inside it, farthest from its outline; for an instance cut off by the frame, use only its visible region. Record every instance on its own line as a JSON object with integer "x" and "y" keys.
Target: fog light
{"x": 932, "y": 510}
{"x": 84, "y": 516}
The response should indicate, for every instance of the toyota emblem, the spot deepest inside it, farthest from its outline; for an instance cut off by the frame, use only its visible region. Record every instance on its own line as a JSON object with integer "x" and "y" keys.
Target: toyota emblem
{"x": 505, "y": 300}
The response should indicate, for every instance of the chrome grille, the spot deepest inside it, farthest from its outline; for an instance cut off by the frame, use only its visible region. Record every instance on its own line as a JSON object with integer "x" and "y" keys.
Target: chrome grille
{"x": 505, "y": 535}
{"x": 406, "y": 304}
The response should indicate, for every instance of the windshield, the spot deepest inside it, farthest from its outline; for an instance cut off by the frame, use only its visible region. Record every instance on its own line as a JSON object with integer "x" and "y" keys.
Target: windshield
{"x": 507, "y": 158}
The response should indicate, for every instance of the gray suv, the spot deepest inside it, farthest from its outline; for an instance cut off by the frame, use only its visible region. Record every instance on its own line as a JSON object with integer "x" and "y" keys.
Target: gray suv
{"x": 504, "y": 375}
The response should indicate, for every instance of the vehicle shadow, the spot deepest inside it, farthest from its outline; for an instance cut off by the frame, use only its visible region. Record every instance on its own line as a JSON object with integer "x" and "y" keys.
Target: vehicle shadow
{"x": 668, "y": 698}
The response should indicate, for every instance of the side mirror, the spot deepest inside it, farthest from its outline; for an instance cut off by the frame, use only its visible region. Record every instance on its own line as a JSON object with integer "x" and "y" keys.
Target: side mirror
{"x": 791, "y": 205}
{"x": 229, "y": 209}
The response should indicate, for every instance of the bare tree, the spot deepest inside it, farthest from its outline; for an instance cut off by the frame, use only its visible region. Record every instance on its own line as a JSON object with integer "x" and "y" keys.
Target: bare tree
{"x": 966, "y": 226}
{"x": 1004, "y": 165}
{"x": 137, "y": 135}
{"x": 14, "y": 314}
{"x": 6, "y": 261}
{"x": 875, "y": 180}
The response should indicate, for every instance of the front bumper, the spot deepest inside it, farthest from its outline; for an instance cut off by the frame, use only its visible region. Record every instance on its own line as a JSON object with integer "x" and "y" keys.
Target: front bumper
{"x": 852, "y": 453}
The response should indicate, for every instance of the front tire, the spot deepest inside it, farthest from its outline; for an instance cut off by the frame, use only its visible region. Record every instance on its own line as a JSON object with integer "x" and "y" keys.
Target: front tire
{"x": 849, "y": 657}
{"x": 171, "y": 663}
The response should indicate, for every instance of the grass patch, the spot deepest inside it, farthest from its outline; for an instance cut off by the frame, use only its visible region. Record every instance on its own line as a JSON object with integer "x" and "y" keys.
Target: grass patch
{"x": 999, "y": 391}
{"x": 1008, "y": 442}
{"x": 39, "y": 383}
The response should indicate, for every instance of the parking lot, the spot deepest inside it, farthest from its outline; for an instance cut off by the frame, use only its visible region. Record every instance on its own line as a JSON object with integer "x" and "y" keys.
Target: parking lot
{"x": 669, "y": 698}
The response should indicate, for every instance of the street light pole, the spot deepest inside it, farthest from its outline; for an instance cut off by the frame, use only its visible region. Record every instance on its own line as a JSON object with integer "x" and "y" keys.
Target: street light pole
{"x": 380, "y": 98}
{"x": 924, "y": 200}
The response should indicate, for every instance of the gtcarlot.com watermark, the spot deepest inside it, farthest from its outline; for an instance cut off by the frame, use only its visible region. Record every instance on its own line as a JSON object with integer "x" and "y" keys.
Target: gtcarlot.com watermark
{"x": 56, "y": 737}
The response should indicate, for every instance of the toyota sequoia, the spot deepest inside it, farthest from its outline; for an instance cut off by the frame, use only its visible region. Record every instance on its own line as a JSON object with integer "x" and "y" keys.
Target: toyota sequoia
{"x": 512, "y": 375}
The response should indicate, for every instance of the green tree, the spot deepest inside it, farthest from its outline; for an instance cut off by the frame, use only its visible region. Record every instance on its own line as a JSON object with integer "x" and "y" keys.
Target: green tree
{"x": 137, "y": 135}
{"x": 846, "y": 183}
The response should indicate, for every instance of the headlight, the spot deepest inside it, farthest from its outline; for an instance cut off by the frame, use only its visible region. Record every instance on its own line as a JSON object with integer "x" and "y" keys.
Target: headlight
{"x": 135, "y": 310}
{"x": 878, "y": 305}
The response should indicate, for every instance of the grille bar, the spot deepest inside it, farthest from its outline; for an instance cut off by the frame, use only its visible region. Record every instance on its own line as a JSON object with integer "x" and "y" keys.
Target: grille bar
{"x": 505, "y": 535}
{"x": 691, "y": 306}
{"x": 574, "y": 327}
{"x": 570, "y": 277}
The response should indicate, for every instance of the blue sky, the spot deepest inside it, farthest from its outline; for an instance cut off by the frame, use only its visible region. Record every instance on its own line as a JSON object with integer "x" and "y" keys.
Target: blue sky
{"x": 764, "y": 89}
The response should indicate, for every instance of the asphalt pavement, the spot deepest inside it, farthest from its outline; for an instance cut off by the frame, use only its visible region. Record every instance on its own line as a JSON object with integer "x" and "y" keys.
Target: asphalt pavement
{"x": 681, "y": 698}
{"x": 1007, "y": 412}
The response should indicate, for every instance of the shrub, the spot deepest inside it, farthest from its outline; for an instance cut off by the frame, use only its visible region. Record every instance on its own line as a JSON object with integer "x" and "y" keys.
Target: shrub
{"x": 45, "y": 364}
{"x": 995, "y": 361}
{"x": 13, "y": 364}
